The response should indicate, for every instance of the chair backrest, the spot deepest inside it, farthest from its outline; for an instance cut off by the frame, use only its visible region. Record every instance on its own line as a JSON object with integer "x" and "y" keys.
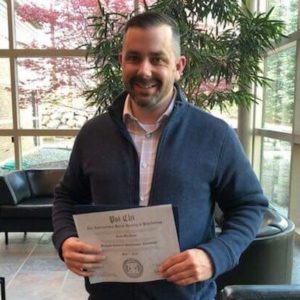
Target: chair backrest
{"x": 43, "y": 181}
{"x": 261, "y": 292}
{"x": 18, "y": 187}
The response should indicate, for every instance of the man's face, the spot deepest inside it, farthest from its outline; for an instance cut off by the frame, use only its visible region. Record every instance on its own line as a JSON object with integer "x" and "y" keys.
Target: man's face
{"x": 149, "y": 65}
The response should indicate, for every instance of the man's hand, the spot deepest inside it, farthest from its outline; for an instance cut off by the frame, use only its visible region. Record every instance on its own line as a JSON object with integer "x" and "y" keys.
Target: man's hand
{"x": 81, "y": 258}
{"x": 187, "y": 267}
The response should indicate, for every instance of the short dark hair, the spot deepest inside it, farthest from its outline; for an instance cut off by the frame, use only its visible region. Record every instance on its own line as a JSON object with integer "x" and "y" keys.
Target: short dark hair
{"x": 153, "y": 19}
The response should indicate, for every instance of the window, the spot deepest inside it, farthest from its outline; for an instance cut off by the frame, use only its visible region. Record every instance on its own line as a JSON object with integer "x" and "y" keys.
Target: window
{"x": 5, "y": 95}
{"x": 42, "y": 79}
{"x": 286, "y": 10}
{"x": 230, "y": 115}
{"x": 4, "y": 25}
{"x": 277, "y": 124}
{"x": 53, "y": 24}
{"x": 46, "y": 151}
{"x": 280, "y": 95}
{"x": 50, "y": 92}
{"x": 6, "y": 154}
{"x": 275, "y": 172}
{"x": 43, "y": 75}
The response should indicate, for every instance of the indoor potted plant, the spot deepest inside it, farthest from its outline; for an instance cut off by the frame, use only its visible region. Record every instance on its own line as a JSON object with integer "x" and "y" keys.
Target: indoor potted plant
{"x": 223, "y": 41}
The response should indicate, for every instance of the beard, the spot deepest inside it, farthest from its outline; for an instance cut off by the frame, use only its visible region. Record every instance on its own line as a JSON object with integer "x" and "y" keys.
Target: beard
{"x": 145, "y": 92}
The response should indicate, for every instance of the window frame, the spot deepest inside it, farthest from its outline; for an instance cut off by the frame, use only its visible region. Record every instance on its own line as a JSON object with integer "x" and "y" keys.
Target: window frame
{"x": 12, "y": 54}
{"x": 293, "y": 138}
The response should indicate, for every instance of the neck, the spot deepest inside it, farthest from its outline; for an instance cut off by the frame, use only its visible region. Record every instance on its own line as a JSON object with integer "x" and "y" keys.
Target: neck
{"x": 146, "y": 115}
{"x": 150, "y": 115}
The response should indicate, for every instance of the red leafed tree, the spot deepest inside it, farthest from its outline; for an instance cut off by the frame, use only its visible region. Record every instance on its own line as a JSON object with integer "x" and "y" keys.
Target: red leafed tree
{"x": 65, "y": 25}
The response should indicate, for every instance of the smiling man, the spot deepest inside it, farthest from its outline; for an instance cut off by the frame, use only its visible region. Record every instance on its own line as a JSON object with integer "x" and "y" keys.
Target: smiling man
{"x": 153, "y": 147}
{"x": 150, "y": 64}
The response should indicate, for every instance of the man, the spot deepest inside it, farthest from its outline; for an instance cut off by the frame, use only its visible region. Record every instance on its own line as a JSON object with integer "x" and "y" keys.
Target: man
{"x": 151, "y": 148}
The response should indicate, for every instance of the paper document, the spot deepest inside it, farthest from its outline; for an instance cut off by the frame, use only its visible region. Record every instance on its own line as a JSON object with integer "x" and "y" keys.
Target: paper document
{"x": 135, "y": 241}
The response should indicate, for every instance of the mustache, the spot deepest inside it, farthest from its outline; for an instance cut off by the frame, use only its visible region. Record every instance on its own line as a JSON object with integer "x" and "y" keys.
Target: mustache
{"x": 143, "y": 81}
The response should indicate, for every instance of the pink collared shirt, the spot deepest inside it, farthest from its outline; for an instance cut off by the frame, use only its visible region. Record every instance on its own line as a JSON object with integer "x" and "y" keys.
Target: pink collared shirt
{"x": 145, "y": 138}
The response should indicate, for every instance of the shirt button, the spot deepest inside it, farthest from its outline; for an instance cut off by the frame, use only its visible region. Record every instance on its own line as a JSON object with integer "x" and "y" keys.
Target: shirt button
{"x": 148, "y": 135}
{"x": 144, "y": 165}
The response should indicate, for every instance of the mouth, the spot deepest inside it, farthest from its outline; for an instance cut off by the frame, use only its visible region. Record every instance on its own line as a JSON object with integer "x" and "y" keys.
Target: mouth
{"x": 144, "y": 84}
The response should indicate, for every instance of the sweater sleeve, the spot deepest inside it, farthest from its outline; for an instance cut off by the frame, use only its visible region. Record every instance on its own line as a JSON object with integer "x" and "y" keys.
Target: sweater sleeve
{"x": 71, "y": 191}
{"x": 238, "y": 193}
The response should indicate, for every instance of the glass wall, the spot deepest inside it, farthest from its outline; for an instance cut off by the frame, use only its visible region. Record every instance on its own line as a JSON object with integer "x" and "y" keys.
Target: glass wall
{"x": 275, "y": 172}
{"x": 280, "y": 94}
{"x": 46, "y": 151}
{"x": 53, "y": 24}
{"x": 4, "y": 25}
{"x": 43, "y": 74}
{"x": 276, "y": 138}
{"x": 230, "y": 115}
{"x": 42, "y": 78}
{"x": 50, "y": 92}
{"x": 5, "y": 95}
{"x": 286, "y": 10}
{"x": 6, "y": 155}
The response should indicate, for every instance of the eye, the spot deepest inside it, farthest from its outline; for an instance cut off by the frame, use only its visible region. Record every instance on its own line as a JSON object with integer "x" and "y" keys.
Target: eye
{"x": 132, "y": 58}
{"x": 157, "y": 60}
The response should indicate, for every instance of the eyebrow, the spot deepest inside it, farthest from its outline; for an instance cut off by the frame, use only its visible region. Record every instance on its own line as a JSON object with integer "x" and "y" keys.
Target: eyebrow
{"x": 158, "y": 53}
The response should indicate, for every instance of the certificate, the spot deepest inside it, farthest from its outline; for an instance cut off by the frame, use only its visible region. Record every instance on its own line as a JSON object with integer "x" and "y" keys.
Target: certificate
{"x": 135, "y": 241}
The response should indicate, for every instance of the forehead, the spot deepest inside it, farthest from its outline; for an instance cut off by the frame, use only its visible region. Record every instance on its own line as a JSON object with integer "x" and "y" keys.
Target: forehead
{"x": 158, "y": 38}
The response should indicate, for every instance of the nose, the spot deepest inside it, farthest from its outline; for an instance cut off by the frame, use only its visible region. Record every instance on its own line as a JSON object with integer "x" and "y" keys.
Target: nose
{"x": 145, "y": 68}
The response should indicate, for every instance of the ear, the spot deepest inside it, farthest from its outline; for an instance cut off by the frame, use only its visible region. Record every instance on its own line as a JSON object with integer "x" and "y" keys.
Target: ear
{"x": 180, "y": 65}
{"x": 120, "y": 58}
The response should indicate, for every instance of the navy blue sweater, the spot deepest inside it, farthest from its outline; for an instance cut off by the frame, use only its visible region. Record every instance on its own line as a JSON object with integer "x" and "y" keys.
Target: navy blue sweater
{"x": 199, "y": 162}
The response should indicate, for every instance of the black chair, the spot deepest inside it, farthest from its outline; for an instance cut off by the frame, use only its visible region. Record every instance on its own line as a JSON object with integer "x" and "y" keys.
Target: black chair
{"x": 2, "y": 283}
{"x": 269, "y": 258}
{"x": 261, "y": 292}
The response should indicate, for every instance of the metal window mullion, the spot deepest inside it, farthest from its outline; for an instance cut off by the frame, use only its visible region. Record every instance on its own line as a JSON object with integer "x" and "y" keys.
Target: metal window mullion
{"x": 245, "y": 115}
{"x": 294, "y": 204}
{"x": 272, "y": 134}
{"x": 298, "y": 15}
{"x": 256, "y": 158}
{"x": 285, "y": 42}
{"x": 42, "y": 53}
{"x": 42, "y": 132}
{"x": 13, "y": 81}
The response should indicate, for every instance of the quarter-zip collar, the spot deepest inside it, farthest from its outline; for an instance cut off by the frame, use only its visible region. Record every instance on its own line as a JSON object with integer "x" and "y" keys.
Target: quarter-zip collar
{"x": 116, "y": 109}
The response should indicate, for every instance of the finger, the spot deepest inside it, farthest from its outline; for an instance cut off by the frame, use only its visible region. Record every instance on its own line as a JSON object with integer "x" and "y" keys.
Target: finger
{"x": 81, "y": 258}
{"x": 81, "y": 272}
{"x": 176, "y": 264}
{"x": 87, "y": 248}
{"x": 80, "y": 266}
{"x": 174, "y": 269}
{"x": 89, "y": 258}
{"x": 75, "y": 245}
{"x": 175, "y": 277}
{"x": 91, "y": 267}
{"x": 178, "y": 258}
{"x": 84, "y": 269}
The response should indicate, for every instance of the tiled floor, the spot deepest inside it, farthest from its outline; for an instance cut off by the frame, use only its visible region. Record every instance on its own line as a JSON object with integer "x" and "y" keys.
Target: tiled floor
{"x": 33, "y": 270}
